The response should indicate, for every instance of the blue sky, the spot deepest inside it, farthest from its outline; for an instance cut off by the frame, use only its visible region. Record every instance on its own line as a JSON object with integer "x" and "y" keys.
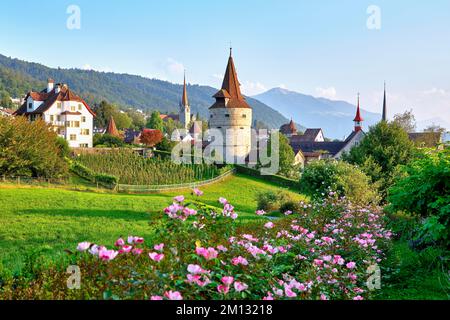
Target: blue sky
{"x": 323, "y": 48}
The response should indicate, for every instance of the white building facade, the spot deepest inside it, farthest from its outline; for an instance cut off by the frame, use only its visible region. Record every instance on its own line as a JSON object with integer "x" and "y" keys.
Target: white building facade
{"x": 68, "y": 114}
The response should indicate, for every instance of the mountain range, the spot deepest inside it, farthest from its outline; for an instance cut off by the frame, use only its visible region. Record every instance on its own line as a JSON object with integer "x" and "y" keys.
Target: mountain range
{"x": 334, "y": 117}
{"x": 274, "y": 107}
{"x": 17, "y": 77}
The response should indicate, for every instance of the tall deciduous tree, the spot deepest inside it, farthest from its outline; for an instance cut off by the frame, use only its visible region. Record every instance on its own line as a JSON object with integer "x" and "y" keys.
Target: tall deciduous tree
{"x": 381, "y": 153}
{"x": 155, "y": 121}
{"x": 29, "y": 149}
{"x": 406, "y": 120}
{"x": 151, "y": 137}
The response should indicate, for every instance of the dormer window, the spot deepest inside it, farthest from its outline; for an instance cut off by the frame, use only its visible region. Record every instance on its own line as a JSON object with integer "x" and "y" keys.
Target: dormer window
{"x": 80, "y": 107}
{"x": 72, "y": 108}
{"x": 59, "y": 105}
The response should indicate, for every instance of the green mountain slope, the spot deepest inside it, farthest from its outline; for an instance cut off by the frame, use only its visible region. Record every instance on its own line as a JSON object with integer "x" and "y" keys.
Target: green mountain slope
{"x": 123, "y": 89}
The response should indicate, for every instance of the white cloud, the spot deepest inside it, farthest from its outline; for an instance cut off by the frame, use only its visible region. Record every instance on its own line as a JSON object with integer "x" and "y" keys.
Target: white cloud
{"x": 252, "y": 88}
{"x": 435, "y": 92}
{"x": 329, "y": 93}
{"x": 174, "y": 67}
{"x": 88, "y": 67}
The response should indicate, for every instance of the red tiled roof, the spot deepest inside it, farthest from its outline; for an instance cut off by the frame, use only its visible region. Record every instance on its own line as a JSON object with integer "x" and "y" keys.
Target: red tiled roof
{"x": 65, "y": 94}
{"x": 112, "y": 129}
{"x": 230, "y": 90}
{"x": 288, "y": 128}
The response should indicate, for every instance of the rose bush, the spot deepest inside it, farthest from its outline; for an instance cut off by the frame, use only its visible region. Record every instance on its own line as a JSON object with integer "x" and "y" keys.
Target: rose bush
{"x": 204, "y": 252}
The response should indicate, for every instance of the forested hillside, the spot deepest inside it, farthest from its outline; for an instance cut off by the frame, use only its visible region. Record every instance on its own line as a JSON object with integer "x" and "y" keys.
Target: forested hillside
{"x": 17, "y": 77}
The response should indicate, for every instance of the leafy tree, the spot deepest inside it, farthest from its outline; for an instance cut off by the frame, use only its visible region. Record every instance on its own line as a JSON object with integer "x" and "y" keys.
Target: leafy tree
{"x": 29, "y": 149}
{"x": 325, "y": 176}
{"x": 169, "y": 126}
{"x": 137, "y": 119}
{"x": 105, "y": 110}
{"x": 166, "y": 145}
{"x": 63, "y": 145}
{"x": 122, "y": 120}
{"x": 381, "y": 153}
{"x": 406, "y": 120}
{"x": 155, "y": 122}
{"x": 107, "y": 140}
{"x": 425, "y": 190}
{"x": 151, "y": 137}
{"x": 286, "y": 156}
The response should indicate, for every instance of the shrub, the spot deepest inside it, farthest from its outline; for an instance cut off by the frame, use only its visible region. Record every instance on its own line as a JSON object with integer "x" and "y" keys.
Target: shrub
{"x": 272, "y": 201}
{"x": 108, "y": 141}
{"x": 290, "y": 205}
{"x": 381, "y": 153}
{"x": 324, "y": 176}
{"x": 425, "y": 190}
{"x": 29, "y": 149}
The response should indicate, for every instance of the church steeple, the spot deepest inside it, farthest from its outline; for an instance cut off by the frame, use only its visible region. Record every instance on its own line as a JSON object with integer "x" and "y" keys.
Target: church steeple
{"x": 185, "y": 109}
{"x": 358, "y": 119}
{"x": 384, "y": 117}
{"x": 184, "y": 98}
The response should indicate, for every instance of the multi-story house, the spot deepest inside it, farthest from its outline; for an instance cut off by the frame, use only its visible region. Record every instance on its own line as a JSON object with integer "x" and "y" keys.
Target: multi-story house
{"x": 67, "y": 113}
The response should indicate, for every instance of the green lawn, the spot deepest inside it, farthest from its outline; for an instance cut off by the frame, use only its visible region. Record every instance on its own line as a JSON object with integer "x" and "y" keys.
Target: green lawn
{"x": 49, "y": 220}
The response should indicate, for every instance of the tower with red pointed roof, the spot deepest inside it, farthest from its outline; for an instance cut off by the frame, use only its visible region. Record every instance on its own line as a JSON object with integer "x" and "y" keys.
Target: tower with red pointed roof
{"x": 358, "y": 119}
{"x": 232, "y": 116}
{"x": 185, "y": 109}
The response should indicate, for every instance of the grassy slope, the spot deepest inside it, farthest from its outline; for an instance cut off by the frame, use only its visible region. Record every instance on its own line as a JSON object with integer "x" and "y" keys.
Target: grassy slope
{"x": 50, "y": 220}
{"x": 414, "y": 275}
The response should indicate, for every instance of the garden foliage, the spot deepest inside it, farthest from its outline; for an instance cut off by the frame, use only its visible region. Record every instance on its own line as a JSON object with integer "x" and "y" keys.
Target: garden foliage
{"x": 347, "y": 180}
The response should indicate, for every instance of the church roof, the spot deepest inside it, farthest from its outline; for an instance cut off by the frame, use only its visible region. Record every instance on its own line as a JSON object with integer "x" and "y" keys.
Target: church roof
{"x": 288, "y": 128}
{"x": 230, "y": 89}
{"x": 358, "y": 117}
{"x": 311, "y": 146}
{"x": 112, "y": 129}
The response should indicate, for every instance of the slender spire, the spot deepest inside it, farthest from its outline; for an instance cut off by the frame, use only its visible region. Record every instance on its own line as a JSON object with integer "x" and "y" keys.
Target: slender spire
{"x": 358, "y": 119}
{"x": 384, "y": 118}
{"x": 184, "y": 98}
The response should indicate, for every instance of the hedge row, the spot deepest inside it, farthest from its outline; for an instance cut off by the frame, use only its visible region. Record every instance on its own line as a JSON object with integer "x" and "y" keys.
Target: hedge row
{"x": 86, "y": 173}
{"x": 279, "y": 180}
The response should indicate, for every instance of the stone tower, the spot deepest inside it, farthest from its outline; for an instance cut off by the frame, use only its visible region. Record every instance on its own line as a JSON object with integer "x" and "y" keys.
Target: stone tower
{"x": 232, "y": 115}
{"x": 185, "y": 109}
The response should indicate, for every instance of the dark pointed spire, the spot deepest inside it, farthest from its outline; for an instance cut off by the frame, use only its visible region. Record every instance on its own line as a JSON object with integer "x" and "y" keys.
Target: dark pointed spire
{"x": 384, "y": 117}
{"x": 184, "y": 98}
